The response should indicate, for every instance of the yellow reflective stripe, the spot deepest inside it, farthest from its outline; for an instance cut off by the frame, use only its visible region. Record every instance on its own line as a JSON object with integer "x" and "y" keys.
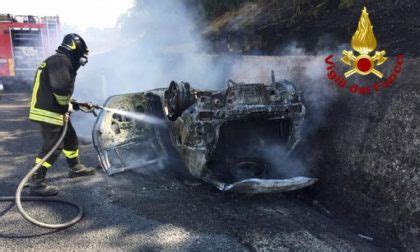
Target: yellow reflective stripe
{"x": 41, "y": 115}
{"x": 62, "y": 99}
{"x": 58, "y": 119}
{"x": 45, "y": 164}
{"x": 46, "y": 119}
{"x": 71, "y": 154}
{"x": 53, "y": 115}
{"x": 36, "y": 87}
{"x": 73, "y": 45}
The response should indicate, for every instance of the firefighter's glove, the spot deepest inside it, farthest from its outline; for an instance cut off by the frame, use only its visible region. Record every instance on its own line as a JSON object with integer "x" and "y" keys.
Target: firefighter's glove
{"x": 71, "y": 108}
{"x": 86, "y": 107}
{"x": 75, "y": 105}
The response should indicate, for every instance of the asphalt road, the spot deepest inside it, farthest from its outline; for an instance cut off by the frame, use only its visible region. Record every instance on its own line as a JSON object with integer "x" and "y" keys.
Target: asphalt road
{"x": 154, "y": 209}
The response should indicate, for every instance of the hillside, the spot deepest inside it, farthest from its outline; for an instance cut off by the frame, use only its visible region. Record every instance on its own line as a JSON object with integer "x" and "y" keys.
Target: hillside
{"x": 267, "y": 27}
{"x": 366, "y": 149}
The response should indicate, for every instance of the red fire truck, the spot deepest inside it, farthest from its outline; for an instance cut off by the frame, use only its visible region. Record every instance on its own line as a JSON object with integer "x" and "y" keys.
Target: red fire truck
{"x": 25, "y": 41}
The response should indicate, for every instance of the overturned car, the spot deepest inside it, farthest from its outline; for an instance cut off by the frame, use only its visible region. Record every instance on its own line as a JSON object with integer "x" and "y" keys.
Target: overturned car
{"x": 222, "y": 136}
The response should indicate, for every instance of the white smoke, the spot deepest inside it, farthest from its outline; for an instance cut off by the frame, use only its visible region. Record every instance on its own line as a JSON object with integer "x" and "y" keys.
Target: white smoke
{"x": 283, "y": 166}
{"x": 159, "y": 41}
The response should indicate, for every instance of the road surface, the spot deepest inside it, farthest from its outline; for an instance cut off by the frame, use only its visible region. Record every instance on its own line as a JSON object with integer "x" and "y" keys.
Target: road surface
{"x": 154, "y": 209}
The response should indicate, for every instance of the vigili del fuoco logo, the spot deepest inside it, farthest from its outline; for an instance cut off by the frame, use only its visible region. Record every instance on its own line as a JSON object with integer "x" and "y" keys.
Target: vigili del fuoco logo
{"x": 363, "y": 60}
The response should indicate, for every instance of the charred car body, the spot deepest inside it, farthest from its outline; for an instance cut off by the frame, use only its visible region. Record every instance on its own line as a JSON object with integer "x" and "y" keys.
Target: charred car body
{"x": 221, "y": 136}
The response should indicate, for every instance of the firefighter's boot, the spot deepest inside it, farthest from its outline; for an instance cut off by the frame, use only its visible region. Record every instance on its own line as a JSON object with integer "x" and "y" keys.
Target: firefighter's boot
{"x": 79, "y": 170}
{"x": 37, "y": 185}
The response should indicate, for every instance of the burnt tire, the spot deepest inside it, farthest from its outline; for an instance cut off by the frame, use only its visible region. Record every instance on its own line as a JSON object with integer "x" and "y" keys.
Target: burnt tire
{"x": 249, "y": 168}
{"x": 177, "y": 99}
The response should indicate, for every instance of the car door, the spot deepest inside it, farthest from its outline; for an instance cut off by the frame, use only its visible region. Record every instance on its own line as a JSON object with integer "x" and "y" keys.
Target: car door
{"x": 123, "y": 143}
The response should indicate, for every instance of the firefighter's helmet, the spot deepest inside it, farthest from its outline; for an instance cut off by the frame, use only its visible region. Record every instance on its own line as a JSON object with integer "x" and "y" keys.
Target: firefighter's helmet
{"x": 76, "y": 47}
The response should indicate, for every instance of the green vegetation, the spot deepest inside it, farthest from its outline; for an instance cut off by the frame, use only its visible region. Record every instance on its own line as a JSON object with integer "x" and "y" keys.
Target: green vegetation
{"x": 347, "y": 3}
{"x": 215, "y": 8}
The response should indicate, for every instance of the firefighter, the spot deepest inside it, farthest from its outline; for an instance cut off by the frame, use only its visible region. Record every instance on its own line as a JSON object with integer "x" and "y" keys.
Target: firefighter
{"x": 52, "y": 90}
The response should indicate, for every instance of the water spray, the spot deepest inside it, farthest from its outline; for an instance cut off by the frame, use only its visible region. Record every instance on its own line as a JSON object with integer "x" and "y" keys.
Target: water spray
{"x": 86, "y": 107}
{"x": 89, "y": 107}
{"x": 137, "y": 116}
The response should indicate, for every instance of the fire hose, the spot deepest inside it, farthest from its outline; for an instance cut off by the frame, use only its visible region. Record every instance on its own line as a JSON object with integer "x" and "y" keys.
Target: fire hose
{"x": 18, "y": 198}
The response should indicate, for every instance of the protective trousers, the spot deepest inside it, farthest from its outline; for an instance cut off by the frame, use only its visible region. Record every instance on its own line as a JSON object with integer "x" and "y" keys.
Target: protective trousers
{"x": 70, "y": 145}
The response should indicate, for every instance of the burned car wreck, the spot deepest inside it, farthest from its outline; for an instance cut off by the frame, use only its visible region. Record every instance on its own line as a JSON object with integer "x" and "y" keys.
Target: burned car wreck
{"x": 221, "y": 136}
